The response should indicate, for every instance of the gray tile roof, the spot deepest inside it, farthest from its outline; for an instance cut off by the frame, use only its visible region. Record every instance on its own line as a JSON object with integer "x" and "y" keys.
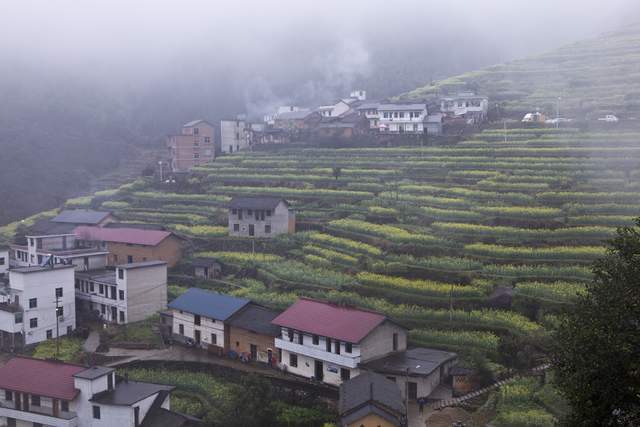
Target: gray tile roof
{"x": 370, "y": 393}
{"x": 81, "y": 216}
{"x": 45, "y": 227}
{"x": 257, "y": 202}
{"x": 208, "y": 304}
{"x": 402, "y": 107}
{"x": 294, "y": 115}
{"x": 142, "y": 264}
{"x": 419, "y": 361}
{"x": 93, "y": 372}
{"x": 256, "y": 318}
{"x": 195, "y": 122}
{"x": 126, "y": 393}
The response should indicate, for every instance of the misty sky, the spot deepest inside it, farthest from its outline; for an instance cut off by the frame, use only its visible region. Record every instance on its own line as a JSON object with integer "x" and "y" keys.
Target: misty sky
{"x": 262, "y": 51}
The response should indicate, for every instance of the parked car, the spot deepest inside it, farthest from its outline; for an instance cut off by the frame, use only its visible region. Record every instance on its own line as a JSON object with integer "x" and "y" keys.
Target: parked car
{"x": 558, "y": 120}
{"x": 534, "y": 118}
{"x": 610, "y": 118}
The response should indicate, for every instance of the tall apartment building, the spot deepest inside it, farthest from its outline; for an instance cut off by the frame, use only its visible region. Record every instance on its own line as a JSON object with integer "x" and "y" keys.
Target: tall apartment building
{"x": 235, "y": 135}
{"x": 194, "y": 146}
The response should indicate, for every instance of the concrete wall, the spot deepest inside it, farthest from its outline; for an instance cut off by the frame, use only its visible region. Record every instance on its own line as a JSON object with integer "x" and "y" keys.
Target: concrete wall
{"x": 207, "y": 328}
{"x": 380, "y": 341}
{"x": 282, "y": 220}
{"x": 41, "y": 286}
{"x": 306, "y": 368}
{"x": 145, "y": 291}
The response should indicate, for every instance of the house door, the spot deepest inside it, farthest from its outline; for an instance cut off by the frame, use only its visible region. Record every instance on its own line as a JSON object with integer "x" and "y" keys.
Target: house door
{"x": 252, "y": 231}
{"x": 413, "y": 390}
{"x": 254, "y": 352}
{"x": 319, "y": 371}
{"x": 270, "y": 356}
{"x": 114, "y": 314}
{"x": 197, "y": 336}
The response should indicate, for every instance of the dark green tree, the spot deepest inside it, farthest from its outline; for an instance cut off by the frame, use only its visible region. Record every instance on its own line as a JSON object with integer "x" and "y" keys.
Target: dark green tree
{"x": 596, "y": 351}
{"x": 249, "y": 404}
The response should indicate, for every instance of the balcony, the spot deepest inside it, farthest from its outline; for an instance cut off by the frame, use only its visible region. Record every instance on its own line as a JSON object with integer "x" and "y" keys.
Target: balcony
{"x": 346, "y": 360}
{"x": 39, "y": 414}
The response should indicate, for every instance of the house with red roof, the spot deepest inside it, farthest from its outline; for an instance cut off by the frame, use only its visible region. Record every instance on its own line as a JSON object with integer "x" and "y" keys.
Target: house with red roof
{"x": 131, "y": 245}
{"x": 329, "y": 342}
{"x": 52, "y": 393}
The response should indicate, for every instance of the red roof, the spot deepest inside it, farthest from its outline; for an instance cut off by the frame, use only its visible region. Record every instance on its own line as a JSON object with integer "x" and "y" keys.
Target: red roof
{"x": 329, "y": 320}
{"x": 41, "y": 377}
{"x": 134, "y": 236}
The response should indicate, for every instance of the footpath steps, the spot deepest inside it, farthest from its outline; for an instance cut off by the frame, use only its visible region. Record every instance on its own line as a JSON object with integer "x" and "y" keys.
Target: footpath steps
{"x": 461, "y": 399}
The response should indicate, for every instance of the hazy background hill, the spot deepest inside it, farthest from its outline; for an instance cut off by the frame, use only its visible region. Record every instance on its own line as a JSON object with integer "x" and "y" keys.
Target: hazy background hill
{"x": 83, "y": 83}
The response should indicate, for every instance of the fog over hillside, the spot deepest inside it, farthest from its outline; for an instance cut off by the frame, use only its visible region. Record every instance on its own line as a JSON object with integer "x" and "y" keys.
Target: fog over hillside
{"x": 82, "y": 80}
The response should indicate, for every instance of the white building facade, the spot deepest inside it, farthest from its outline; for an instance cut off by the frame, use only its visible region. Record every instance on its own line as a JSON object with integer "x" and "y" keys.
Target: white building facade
{"x": 235, "y": 135}
{"x": 260, "y": 217}
{"x": 402, "y": 118}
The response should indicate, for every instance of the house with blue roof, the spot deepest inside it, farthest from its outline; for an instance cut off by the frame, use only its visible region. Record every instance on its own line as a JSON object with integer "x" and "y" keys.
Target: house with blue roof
{"x": 201, "y": 316}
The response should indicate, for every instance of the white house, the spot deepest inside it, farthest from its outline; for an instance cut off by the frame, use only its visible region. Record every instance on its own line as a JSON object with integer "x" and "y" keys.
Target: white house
{"x": 56, "y": 241}
{"x": 130, "y": 293}
{"x": 4, "y": 260}
{"x": 235, "y": 135}
{"x": 263, "y": 216}
{"x": 39, "y": 304}
{"x": 472, "y": 107}
{"x": 329, "y": 342}
{"x": 359, "y": 94}
{"x": 370, "y": 111}
{"x": 402, "y": 118}
{"x": 37, "y": 392}
{"x": 337, "y": 109}
{"x": 200, "y": 316}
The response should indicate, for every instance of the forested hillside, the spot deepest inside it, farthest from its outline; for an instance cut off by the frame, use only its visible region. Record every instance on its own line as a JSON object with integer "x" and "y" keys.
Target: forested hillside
{"x": 592, "y": 78}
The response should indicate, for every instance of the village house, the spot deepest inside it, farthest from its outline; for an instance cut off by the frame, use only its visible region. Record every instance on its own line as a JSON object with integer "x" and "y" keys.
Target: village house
{"x": 329, "y": 342}
{"x": 369, "y": 110}
{"x": 473, "y": 108}
{"x": 262, "y": 216}
{"x": 37, "y": 392}
{"x": 297, "y": 122}
{"x": 402, "y": 118}
{"x": 84, "y": 217}
{"x": 252, "y": 335}
{"x": 358, "y": 94}
{"x": 4, "y": 259}
{"x": 193, "y": 147}
{"x": 337, "y": 109}
{"x": 51, "y": 241}
{"x": 38, "y": 304}
{"x": 371, "y": 400}
{"x": 132, "y": 245}
{"x": 130, "y": 293}
{"x": 346, "y": 127}
{"x": 433, "y": 124}
{"x": 271, "y": 136}
{"x": 417, "y": 371}
{"x": 235, "y": 135}
{"x": 206, "y": 268}
{"x": 200, "y": 316}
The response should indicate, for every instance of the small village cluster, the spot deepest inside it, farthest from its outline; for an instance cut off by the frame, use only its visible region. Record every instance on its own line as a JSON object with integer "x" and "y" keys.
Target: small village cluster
{"x": 343, "y": 119}
{"x": 84, "y": 266}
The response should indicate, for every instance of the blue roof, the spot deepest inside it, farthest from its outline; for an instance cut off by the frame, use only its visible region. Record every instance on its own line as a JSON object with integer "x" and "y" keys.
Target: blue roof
{"x": 208, "y": 304}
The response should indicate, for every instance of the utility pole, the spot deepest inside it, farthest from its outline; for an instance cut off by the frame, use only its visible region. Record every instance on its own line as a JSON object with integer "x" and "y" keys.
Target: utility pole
{"x": 160, "y": 164}
{"x": 558, "y": 112}
{"x": 451, "y": 304}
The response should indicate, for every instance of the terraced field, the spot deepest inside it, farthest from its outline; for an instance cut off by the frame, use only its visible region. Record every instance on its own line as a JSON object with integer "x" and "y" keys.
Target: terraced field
{"x": 425, "y": 235}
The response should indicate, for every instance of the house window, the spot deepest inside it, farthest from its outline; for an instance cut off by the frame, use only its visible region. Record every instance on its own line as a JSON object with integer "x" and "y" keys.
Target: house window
{"x": 35, "y": 400}
{"x": 96, "y": 412}
{"x": 122, "y": 316}
{"x": 121, "y": 271}
{"x": 214, "y": 339}
{"x": 316, "y": 340}
{"x": 249, "y": 212}
{"x": 33, "y": 323}
{"x": 345, "y": 374}
{"x": 121, "y": 294}
{"x": 58, "y": 292}
{"x": 290, "y": 332}
{"x": 91, "y": 287}
{"x": 197, "y": 319}
{"x": 348, "y": 347}
{"x": 207, "y": 140}
{"x": 49, "y": 334}
{"x": 293, "y": 360}
{"x": 33, "y": 302}
{"x": 236, "y": 227}
{"x": 395, "y": 342}
{"x": 101, "y": 289}
{"x": 181, "y": 329}
{"x": 113, "y": 292}
{"x": 196, "y": 155}
{"x": 77, "y": 284}
{"x": 196, "y": 131}
{"x": 337, "y": 347}
{"x": 64, "y": 406}
{"x": 268, "y": 212}
{"x": 8, "y": 395}
{"x": 103, "y": 308}
{"x": 129, "y": 259}
{"x": 300, "y": 338}
{"x": 234, "y": 211}
{"x": 60, "y": 311}
{"x": 328, "y": 342}
{"x": 2, "y": 261}
{"x": 267, "y": 228}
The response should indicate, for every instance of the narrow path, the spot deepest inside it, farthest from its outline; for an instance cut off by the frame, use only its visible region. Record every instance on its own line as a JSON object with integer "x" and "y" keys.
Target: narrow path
{"x": 457, "y": 400}
{"x": 92, "y": 342}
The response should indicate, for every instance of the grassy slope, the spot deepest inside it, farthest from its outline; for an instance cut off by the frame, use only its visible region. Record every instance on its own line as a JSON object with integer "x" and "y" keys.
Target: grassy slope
{"x": 593, "y": 77}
